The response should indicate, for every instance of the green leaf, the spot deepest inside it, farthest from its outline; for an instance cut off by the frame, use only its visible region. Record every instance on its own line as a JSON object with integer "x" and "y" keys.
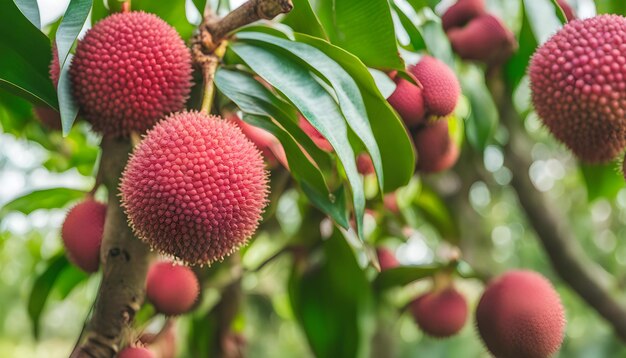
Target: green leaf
{"x": 67, "y": 33}
{"x": 67, "y": 281}
{"x": 98, "y": 11}
{"x": 30, "y": 9}
{"x": 25, "y": 57}
{"x": 415, "y": 36}
{"x": 200, "y": 5}
{"x": 483, "y": 119}
{"x": 173, "y": 12}
{"x": 42, "y": 199}
{"x": 436, "y": 39}
{"x": 363, "y": 28}
{"x": 542, "y": 18}
{"x": 396, "y": 149}
{"x": 611, "y": 7}
{"x": 302, "y": 19}
{"x": 560, "y": 14}
{"x": 437, "y": 214}
{"x": 42, "y": 287}
{"x": 313, "y": 100}
{"x": 602, "y": 180}
{"x": 346, "y": 89}
{"x": 515, "y": 68}
{"x": 403, "y": 275}
{"x": 332, "y": 302}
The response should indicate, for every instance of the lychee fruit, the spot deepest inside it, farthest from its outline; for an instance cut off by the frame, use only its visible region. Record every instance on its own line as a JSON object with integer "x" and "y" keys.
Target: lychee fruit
{"x": 50, "y": 117}
{"x": 386, "y": 259}
{"x": 440, "y": 313}
{"x": 436, "y": 151}
{"x": 485, "y": 39}
{"x": 408, "y": 101}
{"x": 578, "y": 85}
{"x": 314, "y": 134}
{"x": 520, "y": 315}
{"x": 459, "y": 14}
{"x": 135, "y": 352}
{"x": 364, "y": 164}
{"x": 163, "y": 343}
{"x": 266, "y": 142}
{"x": 390, "y": 202}
{"x": 129, "y": 71}
{"x": 195, "y": 188}
{"x": 567, "y": 10}
{"x": 441, "y": 87}
{"x": 82, "y": 234}
{"x": 172, "y": 289}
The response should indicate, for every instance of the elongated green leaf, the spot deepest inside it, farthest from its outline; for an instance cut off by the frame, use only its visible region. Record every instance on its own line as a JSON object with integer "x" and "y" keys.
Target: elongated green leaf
{"x": 73, "y": 21}
{"x": 42, "y": 199}
{"x": 67, "y": 281}
{"x": 297, "y": 83}
{"x": 515, "y": 68}
{"x": 98, "y": 11}
{"x": 30, "y": 9}
{"x": 437, "y": 41}
{"x": 302, "y": 19}
{"x": 560, "y": 14}
{"x": 363, "y": 28}
{"x": 346, "y": 89}
{"x": 396, "y": 150}
{"x": 200, "y": 5}
{"x": 438, "y": 215}
{"x": 415, "y": 36}
{"x": 483, "y": 118}
{"x": 24, "y": 57}
{"x": 332, "y": 302}
{"x": 403, "y": 275}
{"x": 542, "y": 18}
{"x": 259, "y": 105}
{"x": 611, "y": 7}
{"x": 42, "y": 287}
{"x": 173, "y": 12}
{"x": 602, "y": 181}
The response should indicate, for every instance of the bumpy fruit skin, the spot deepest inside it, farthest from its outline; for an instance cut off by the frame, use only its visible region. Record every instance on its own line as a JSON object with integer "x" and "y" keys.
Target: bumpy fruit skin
{"x": 386, "y": 259}
{"x": 364, "y": 164}
{"x": 48, "y": 116}
{"x": 314, "y": 134}
{"x": 485, "y": 39}
{"x": 172, "y": 289}
{"x": 567, "y": 10}
{"x": 578, "y": 85}
{"x": 436, "y": 151}
{"x": 407, "y": 99}
{"x": 440, "y": 314}
{"x": 459, "y": 14}
{"x": 520, "y": 315}
{"x": 195, "y": 188}
{"x": 135, "y": 352}
{"x": 82, "y": 234}
{"x": 441, "y": 87}
{"x": 129, "y": 71}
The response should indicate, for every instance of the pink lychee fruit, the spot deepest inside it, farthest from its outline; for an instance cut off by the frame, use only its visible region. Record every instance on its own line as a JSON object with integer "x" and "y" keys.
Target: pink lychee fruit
{"x": 82, "y": 234}
{"x": 407, "y": 99}
{"x": 314, "y": 134}
{"x": 440, "y": 313}
{"x": 172, "y": 289}
{"x": 135, "y": 352}
{"x": 436, "y": 151}
{"x": 462, "y": 12}
{"x": 441, "y": 87}
{"x": 485, "y": 39}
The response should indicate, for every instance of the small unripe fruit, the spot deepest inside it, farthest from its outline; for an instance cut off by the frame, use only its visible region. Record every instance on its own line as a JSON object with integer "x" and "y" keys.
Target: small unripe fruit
{"x": 314, "y": 134}
{"x": 172, "y": 289}
{"x": 520, "y": 315}
{"x": 567, "y": 10}
{"x": 459, "y": 14}
{"x": 129, "y": 71}
{"x": 135, "y": 352}
{"x": 436, "y": 151}
{"x": 578, "y": 85}
{"x": 408, "y": 101}
{"x": 441, "y": 87}
{"x": 440, "y": 314}
{"x": 82, "y": 234}
{"x": 485, "y": 39}
{"x": 364, "y": 164}
{"x": 195, "y": 188}
{"x": 386, "y": 259}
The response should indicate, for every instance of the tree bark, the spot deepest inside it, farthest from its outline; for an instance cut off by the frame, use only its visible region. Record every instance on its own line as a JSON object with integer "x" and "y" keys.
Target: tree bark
{"x": 588, "y": 280}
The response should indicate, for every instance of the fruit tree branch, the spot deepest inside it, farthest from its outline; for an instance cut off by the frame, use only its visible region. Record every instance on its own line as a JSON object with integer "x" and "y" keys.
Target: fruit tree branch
{"x": 587, "y": 279}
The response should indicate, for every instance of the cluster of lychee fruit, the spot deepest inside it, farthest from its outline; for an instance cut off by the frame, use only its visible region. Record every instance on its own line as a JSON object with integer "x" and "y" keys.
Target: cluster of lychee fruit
{"x": 195, "y": 186}
{"x": 519, "y": 314}
{"x": 425, "y": 107}
{"x": 477, "y": 35}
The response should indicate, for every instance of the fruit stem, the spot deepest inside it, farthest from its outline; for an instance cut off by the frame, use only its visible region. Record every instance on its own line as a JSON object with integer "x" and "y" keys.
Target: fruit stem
{"x": 209, "y": 67}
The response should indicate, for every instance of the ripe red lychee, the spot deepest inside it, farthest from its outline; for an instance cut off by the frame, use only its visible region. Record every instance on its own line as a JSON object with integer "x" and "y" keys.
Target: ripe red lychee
{"x": 265, "y": 141}
{"x": 520, "y": 315}
{"x": 135, "y": 352}
{"x": 441, "y": 87}
{"x": 172, "y": 289}
{"x": 567, "y": 10}
{"x": 485, "y": 39}
{"x": 129, "y": 71}
{"x": 82, "y": 234}
{"x": 195, "y": 188}
{"x": 163, "y": 344}
{"x": 459, "y": 14}
{"x": 50, "y": 117}
{"x": 578, "y": 85}
{"x": 386, "y": 259}
{"x": 408, "y": 101}
{"x": 314, "y": 134}
{"x": 364, "y": 164}
{"x": 436, "y": 151}
{"x": 440, "y": 313}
